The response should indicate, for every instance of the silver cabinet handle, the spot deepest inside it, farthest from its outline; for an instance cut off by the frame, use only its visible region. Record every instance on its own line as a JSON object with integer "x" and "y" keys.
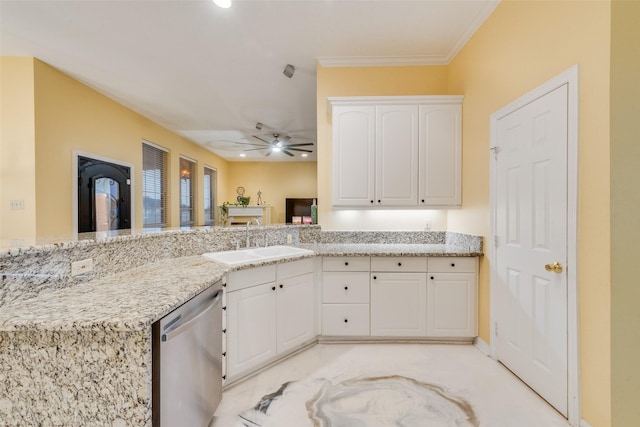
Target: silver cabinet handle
{"x": 179, "y": 327}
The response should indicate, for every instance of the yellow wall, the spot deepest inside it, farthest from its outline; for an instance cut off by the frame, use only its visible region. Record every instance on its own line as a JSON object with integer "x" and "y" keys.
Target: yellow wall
{"x": 17, "y": 151}
{"x": 276, "y": 181}
{"x": 520, "y": 46}
{"x": 70, "y": 116}
{"x": 625, "y": 205}
{"x": 382, "y": 81}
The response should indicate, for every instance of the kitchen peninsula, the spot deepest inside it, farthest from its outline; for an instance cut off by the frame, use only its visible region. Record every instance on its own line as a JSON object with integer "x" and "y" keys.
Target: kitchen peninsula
{"x": 77, "y": 350}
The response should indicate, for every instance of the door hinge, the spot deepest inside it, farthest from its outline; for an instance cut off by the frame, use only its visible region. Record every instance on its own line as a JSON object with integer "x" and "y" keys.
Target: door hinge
{"x": 495, "y": 150}
{"x": 495, "y": 241}
{"x": 495, "y": 327}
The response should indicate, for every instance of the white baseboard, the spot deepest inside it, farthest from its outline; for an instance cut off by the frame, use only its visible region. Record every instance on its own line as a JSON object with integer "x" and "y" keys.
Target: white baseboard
{"x": 482, "y": 346}
{"x": 583, "y": 423}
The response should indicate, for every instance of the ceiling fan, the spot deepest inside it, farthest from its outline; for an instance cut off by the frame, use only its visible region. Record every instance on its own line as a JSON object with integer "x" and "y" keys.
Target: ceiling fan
{"x": 278, "y": 143}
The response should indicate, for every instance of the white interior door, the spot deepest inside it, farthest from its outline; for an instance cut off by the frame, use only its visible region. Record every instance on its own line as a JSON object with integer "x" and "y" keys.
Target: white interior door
{"x": 531, "y": 251}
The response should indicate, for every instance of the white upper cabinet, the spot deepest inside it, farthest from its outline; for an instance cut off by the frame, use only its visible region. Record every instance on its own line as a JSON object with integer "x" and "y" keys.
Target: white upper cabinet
{"x": 397, "y": 151}
{"x": 396, "y": 171}
{"x": 440, "y": 155}
{"x": 353, "y": 155}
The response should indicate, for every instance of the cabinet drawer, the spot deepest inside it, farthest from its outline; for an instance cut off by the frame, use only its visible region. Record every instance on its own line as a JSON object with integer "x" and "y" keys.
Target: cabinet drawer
{"x": 339, "y": 263}
{"x": 399, "y": 264}
{"x": 345, "y": 287}
{"x": 251, "y": 277}
{"x": 345, "y": 319}
{"x": 295, "y": 268}
{"x": 453, "y": 264}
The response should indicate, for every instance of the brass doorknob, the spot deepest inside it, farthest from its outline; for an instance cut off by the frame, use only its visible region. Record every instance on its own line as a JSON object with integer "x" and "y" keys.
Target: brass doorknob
{"x": 556, "y": 267}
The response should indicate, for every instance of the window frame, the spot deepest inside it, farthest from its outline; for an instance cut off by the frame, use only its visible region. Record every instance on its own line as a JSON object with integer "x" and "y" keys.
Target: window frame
{"x": 161, "y": 182}
{"x": 187, "y": 181}
{"x": 210, "y": 183}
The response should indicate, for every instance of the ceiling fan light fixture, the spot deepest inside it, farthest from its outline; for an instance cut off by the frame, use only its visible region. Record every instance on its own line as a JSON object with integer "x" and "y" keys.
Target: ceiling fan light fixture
{"x": 276, "y": 148}
{"x": 289, "y": 70}
{"x": 225, "y": 4}
{"x": 259, "y": 126}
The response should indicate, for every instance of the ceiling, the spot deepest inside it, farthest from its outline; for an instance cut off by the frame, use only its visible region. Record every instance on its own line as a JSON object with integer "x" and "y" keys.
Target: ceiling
{"x": 211, "y": 74}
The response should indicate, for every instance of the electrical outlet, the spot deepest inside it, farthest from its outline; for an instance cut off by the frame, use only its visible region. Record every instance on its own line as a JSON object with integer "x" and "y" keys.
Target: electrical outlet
{"x": 427, "y": 225}
{"x": 289, "y": 239}
{"x": 82, "y": 267}
{"x": 16, "y": 205}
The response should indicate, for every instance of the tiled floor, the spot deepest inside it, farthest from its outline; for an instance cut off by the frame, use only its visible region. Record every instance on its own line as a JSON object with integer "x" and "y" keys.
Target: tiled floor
{"x": 375, "y": 385}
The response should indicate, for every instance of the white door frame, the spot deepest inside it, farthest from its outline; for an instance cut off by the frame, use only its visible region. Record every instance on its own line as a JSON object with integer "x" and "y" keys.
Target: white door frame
{"x": 569, "y": 77}
{"x": 74, "y": 185}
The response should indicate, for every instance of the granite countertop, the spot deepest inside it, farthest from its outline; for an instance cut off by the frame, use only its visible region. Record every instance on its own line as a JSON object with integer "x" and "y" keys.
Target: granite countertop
{"x": 134, "y": 299}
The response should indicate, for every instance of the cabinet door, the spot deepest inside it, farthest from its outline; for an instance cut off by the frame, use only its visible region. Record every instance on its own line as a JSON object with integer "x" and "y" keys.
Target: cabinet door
{"x": 398, "y": 304}
{"x": 396, "y": 155}
{"x": 295, "y": 312}
{"x": 251, "y": 328}
{"x": 452, "y": 302}
{"x": 440, "y": 155}
{"x": 353, "y": 155}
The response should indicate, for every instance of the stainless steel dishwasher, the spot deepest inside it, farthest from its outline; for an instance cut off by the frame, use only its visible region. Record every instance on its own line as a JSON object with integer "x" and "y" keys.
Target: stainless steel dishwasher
{"x": 187, "y": 362}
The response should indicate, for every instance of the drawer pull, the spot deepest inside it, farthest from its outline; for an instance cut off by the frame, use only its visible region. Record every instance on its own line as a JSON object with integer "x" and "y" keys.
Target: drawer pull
{"x": 224, "y": 354}
{"x": 224, "y": 377}
{"x": 346, "y": 288}
{"x": 281, "y": 286}
{"x": 399, "y": 264}
{"x": 273, "y": 288}
{"x": 431, "y": 277}
{"x": 375, "y": 277}
{"x": 346, "y": 263}
{"x": 346, "y": 320}
{"x": 453, "y": 264}
{"x": 224, "y": 331}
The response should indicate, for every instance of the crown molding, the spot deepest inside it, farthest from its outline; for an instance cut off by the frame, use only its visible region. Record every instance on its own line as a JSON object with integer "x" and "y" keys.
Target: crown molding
{"x": 417, "y": 60}
{"x": 382, "y": 61}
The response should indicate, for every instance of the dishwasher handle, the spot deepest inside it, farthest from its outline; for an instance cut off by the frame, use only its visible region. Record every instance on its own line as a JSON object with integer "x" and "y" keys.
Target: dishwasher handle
{"x": 179, "y": 327}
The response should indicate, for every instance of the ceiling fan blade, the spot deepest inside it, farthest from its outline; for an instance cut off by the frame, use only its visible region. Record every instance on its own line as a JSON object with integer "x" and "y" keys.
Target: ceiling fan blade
{"x": 268, "y": 153}
{"x": 299, "y": 145}
{"x": 284, "y": 138}
{"x": 255, "y": 149}
{"x": 298, "y": 149}
{"x": 262, "y": 139}
{"x": 288, "y": 153}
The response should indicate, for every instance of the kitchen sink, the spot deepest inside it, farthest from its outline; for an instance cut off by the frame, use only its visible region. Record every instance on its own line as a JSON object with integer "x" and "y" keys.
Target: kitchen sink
{"x": 268, "y": 253}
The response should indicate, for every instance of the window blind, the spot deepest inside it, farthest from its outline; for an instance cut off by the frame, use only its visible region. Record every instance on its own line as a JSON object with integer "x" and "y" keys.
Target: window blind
{"x": 187, "y": 185}
{"x": 154, "y": 186}
{"x": 210, "y": 189}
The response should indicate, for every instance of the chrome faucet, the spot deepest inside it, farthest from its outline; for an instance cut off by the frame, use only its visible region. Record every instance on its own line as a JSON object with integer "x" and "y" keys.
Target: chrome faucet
{"x": 257, "y": 221}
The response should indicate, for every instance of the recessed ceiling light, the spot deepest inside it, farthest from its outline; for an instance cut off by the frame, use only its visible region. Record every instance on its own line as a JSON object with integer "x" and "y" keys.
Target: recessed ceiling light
{"x": 243, "y": 155}
{"x": 304, "y": 154}
{"x": 223, "y": 3}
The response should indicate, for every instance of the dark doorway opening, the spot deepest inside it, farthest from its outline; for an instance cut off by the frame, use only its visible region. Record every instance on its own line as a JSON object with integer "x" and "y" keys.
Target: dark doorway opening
{"x": 104, "y": 196}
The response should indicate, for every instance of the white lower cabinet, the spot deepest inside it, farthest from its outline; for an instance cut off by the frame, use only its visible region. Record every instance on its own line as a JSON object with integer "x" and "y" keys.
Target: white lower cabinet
{"x": 399, "y": 296}
{"x": 399, "y": 304}
{"x": 345, "y": 296}
{"x": 251, "y": 326}
{"x": 267, "y": 320}
{"x": 345, "y": 319}
{"x": 452, "y": 297}
{"x": 295, "y": 312}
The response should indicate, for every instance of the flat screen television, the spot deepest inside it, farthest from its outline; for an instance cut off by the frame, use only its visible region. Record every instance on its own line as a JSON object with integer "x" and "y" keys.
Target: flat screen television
{"x": 297, "y": 207}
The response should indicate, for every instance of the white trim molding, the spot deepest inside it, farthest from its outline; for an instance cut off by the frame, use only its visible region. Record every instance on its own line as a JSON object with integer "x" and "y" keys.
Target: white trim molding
{"x": 416, "y": 60}
{"x": 482, "y": 346}
{"x": 393, "y": 100}
{"x": 570, "y": 78}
